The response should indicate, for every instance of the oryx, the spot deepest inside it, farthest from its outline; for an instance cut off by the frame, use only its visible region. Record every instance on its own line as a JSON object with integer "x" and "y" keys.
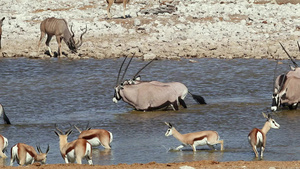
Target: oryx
{"x": 59, "y": 28}
{"x": 286, "y": 90}
{"x": 150, "y": 95}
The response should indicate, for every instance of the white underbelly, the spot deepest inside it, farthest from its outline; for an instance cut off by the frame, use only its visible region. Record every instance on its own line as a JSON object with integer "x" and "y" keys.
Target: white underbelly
{"x": 201, "y": 142}
{"x": 71, "y": 156}
{"x": 94, "y": 142}
{"x": 29, "y": 159}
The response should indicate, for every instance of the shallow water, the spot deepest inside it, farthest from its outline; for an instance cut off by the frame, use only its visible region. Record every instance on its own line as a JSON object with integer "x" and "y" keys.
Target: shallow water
{"x": 37, "y": 94}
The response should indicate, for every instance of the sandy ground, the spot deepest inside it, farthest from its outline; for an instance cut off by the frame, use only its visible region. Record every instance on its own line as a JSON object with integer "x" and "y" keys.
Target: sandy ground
{"x": 182, "y": 165}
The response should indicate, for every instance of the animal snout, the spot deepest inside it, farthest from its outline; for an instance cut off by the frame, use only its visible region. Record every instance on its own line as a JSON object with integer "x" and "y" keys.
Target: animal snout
{"x": 115, "y": 100}
{"x": 274, "y": 108}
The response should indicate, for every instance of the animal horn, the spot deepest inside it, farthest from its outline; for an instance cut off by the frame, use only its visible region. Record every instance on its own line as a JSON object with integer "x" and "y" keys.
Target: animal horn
{"x": 58, "y": 129}
{"x": 77, "y": 128}
{"x": 126, "y": 68}
{"x": 48, "y": 148}
{"x": 79, "y": 43}
{"x": 168, "y": 124}
{"x": 87, "y": 126}
{"x": 289, "y": 55}
{"x": 72, "y": 31}
{"x": 298, "y": 45}
{"x": 39, "y": 149}
{"x": 143, "y": 68}
{"x": 120, "y": 70}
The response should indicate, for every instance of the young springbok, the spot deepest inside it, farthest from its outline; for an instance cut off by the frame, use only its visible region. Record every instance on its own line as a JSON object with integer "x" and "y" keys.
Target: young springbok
{"x": 3, "y": 145}
{"x": 110, "y": 2}
{"x": 96, "y": 137}
{"x": 75, "y": 150}
{"x": 26, "y": 154}
{"x": 1, "y": 29}
{"x": 200, "y": 138}
{"x": 5, "y": 118}
{"x": 257, "y": 137}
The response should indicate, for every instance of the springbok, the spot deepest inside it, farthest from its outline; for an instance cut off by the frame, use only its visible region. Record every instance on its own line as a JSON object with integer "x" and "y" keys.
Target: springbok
{"x": 96, "y": 137}
{"x": 110, "y": 2}
{"x": 59, "y": 28}
{"x": 200, "y": 138}
{"x": 26, "y": 154}
{"x": 3, "y": 146}
{"x": 5, "y": 118}
{"x": 258, "y": 137}
{"x": 1, "y": 29}
{"x": 75, "y": 150}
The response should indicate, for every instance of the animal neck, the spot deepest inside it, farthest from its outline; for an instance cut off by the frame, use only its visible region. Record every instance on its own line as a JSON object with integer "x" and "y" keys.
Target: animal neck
{"x": 63, "y": 140}
{"x": 266, "y": 127}
{"x": 39, "y": 158}
{"x": 177, "y": 135}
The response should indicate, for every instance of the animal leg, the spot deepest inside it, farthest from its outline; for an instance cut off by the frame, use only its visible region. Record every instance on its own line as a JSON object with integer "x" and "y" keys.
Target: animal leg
{"x": 179, "y": 147}
{"x": 58, "y": 39}
{"x": 49, "y": 37}
{"x": 211, "y": 146}
{"x": 181, "y": 101}
{"x": 124, "y": 5}
{"x": 41, "y": 38}
{"x": 78, "y": 159}
{"x": 194, "y": 148}
{"x": 66, "y": 159}
{"x": 89, "y": 160}
{"x": 255, "y": 151}
{"x": 262, "y": 149}
{"x": 2, "y": 155}
{"x": 110, "y": 2}
{"x": 12, "y": 160}
{"x": 174, "y": 105}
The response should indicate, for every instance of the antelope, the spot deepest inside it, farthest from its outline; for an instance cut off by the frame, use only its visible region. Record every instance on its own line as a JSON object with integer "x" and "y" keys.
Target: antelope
{"x": 96, "y": 137}
{"x": 3, "y": 146}
{"x": 59, "y": 28}
{"x": 200, "y": 138}
{"x": 1, "y": 29}
{"x": 26, "y": 154}
{"x": 286, "y": 90}
{"x": 110, "y": 2}
{"x": 257, "y": 137}
{"x": 75, "y": 150}
{"x": 5, "y": 118}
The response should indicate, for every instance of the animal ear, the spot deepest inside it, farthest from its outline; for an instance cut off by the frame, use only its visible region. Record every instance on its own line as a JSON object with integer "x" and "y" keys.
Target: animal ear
{"x": 292, "y": 68}
{"x": 56, "y": 133}
{"x": 168, "y": 124}
{"x": 265, "y": 116}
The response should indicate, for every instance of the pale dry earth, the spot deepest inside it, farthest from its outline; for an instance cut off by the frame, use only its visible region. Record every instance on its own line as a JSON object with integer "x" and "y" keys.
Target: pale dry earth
{"x": 172, "y": 29}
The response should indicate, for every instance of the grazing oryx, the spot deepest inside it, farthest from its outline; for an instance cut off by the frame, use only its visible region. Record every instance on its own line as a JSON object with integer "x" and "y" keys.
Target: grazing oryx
{"x": 75, "y": 150}
{"x": 286, "y": 87}
{"x": 25, "y": 154}
{"x": 59, "y": 28}
{"x": 110, "y": 2}
{"x": 96, "y": 137}
{"x": 5, "y": 118}
{"x": 150, "y": 95}
{"x": 3, "y": 145}
{"x": 1, "y": 29}
{"x": 200, "y": 138}
{"x": 257, "y": 137}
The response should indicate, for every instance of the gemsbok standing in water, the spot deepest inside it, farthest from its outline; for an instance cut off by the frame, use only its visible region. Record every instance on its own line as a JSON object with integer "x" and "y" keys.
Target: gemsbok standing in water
{"x": 258, "y": 137}
{"x": 96, "y": 137}
{"x": 59, "y": 28}
{"x": 151, "y": 95}
{"x": 200, "y": 138}
{"x": 26, "y": 154}
{"x": 110, "y": 2}
{"x": 75, "y": 150}
{"x": 286, "y": 90}
{"x": 3, "y": 146}
{"x": 1, "y": 21}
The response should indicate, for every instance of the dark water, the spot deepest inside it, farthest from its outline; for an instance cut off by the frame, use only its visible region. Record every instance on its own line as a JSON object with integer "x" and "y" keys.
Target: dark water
{"x": 37, "y": 94}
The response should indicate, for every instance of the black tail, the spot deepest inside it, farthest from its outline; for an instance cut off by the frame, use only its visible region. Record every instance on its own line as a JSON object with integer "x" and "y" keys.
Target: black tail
{"x": 5, "y": 118}
{"x": 198, "y": 98}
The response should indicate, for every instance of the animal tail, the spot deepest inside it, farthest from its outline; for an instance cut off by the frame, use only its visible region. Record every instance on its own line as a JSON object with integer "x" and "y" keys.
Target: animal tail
{"x": 5, "y": 118}
{"x": 199, "y": 99}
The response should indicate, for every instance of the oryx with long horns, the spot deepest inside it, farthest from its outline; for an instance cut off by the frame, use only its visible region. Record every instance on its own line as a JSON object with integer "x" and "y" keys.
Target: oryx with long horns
{"x": 59, "y": 28}
{"x": 286, "y": 90}
{"x": 149, "y": 95}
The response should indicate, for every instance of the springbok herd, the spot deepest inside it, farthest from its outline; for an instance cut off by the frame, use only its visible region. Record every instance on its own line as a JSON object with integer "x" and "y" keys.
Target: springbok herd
{"x": 144, "y": 96}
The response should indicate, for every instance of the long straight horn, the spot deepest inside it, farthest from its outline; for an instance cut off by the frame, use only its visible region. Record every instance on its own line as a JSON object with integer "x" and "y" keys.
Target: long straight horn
{"x": 120, "y": 70}
{"x": 289, "y": 55}
{"x": 79, "y": 44}
{"x": 48, "y": 148}
{"x": 126, "y": 68}
{"x": 143, "y": 68}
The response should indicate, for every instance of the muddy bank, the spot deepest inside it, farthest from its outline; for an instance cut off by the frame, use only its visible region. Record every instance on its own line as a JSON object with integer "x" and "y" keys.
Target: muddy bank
{"x": 170, "y": 29}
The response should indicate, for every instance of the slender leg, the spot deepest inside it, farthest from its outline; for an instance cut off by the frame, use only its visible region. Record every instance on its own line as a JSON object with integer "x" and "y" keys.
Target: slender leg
{"x": 58, "y": 39}
{"x": 110, "y": 2}
{"x": 262, "y": 149}
{"x": 179, "y": 147}
{"x": 78, "y": 160}
{"x": 47, "y": 43}
{"x": 194, "y": 148}
{"x": 211, "y": 146}
{"x": 124, "y": 5}
{"x": 66, "y": 159}
{"x": 255, "y": 151}
{"x": 222, "y": 144}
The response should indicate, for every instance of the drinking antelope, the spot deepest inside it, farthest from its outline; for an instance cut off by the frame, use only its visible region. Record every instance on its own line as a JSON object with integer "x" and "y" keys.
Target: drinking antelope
{"x": 96, "y": 137}
{"x": 257, "y": 137}
{"x": 5, "y": 118}
{"x": 26, "y": 154}
{"x": 75, "y": 150}
{"x": 3, "y": 145}
{"x": 59, "y": 28}
{"x": 1, "y": 29}
{"x": 110, "y": 2}
{"x": 200, "y": 138}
